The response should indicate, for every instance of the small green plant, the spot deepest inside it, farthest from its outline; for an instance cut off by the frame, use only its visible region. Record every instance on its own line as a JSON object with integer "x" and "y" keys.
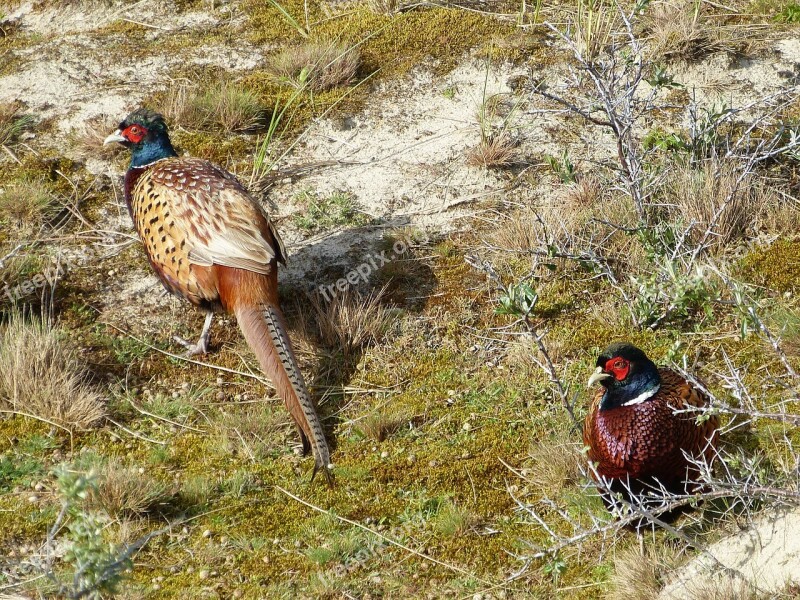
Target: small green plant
{"x": 518, "y": 300}
{"x": 671, "y": 292}
{"x": 789, "y": 14}
{"x": 659, "y": 139}
{"x": 321, "y": 213}
{"x": 96, "y": 567}
{"x": 562, "y": 167}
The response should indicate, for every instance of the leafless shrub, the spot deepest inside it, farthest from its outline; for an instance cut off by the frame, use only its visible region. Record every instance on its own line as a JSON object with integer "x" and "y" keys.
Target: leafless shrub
{"x": 715, "y": 196}
{"x": 317, "y": 65}
{"x": 351, "y": 320}
{"x": 225, "y": 105}
{"x": 641, "y": 576}
{"x": 42, "y": 375}
{"x": 126, "y": 491}
{"x": 495, "y": 151}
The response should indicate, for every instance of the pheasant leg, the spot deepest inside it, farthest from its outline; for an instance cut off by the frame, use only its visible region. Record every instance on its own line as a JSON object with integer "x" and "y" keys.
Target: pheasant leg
{"x": 201, "y": 347}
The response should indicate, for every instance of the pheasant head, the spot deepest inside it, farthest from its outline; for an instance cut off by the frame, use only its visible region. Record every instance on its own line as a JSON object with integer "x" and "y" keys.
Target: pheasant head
{"x": 145, "y": 133}
{"x": 627, "y": 374}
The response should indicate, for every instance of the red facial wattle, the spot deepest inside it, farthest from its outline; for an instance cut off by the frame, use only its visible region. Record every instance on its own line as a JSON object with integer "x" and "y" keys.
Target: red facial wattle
{"x": 134, "y": 133}
{"x": 618, "y": 367}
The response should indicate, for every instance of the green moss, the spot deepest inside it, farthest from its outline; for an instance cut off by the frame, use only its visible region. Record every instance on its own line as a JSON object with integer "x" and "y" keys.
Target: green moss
{"x": 392, "y": 45}
{"x": 776, "y": 267}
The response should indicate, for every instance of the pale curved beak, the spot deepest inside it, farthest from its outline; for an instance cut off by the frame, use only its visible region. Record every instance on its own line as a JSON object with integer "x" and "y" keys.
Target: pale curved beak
{"x": 114, "y": 137}
{"x": 597, "y": 377}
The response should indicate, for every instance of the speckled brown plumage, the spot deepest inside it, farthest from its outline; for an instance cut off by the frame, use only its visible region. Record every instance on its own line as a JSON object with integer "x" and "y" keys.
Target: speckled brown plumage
{"x": 192, "y": 215}
{"x": 647, "y": 440}
{"x": 210, "y": 242}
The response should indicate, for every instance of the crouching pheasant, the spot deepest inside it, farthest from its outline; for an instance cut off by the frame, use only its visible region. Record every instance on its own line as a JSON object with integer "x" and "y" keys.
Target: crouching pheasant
{"x": 211, "y": 243}
{"x": 635, "y": 438}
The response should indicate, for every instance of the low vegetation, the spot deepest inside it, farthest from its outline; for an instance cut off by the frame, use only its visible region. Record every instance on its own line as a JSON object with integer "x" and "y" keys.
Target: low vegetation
{"x": 621, "y": 203}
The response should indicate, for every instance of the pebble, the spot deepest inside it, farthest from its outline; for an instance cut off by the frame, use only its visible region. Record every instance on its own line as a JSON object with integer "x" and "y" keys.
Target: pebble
{"x": 220, "y": 396}
{"x": 466, "y": 426}
{"x": 384, "y": 454}
{"x": 220, "y": 381}
{"x": 238, "y": 593}
{"x": 203, "y": 574}
{"x": 207, "y": 533}
{"x": 38, "y": 487}
{"x": 33, "y": 498}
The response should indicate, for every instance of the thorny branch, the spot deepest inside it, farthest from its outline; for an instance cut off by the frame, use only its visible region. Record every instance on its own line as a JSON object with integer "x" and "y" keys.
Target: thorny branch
{"x": 545, "y": 363}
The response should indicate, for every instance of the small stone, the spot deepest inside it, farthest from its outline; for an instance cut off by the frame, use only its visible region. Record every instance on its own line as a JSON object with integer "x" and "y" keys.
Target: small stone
{"x": 220, "y": 381}
{"x": 220, "y": 396}
{"x": 411, "y": 458}
{"x": 185, "y": 385}
{"x": 203, "y": 574}
{"x": 265, "y": 560}
{"x": 223, "y": 540}
{"x": 111, "y": 273}
{"x": 238, "y": 593}
{"x": 433, "y": 463}
{"x": 33, "y": 498}
{"x": 141, "y": 470}
{"x": 38, "y": 487}
{"x": 175, "y": 395}
{"x": 466, "y": 426}
{"x": 207, "y": 533}
{"x": 156, "y": 586}
{"x": 384, "y": 454}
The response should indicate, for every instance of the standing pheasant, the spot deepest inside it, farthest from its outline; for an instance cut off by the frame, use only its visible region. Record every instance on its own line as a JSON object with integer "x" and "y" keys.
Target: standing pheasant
{"x": 635, "y": 439}
{"x": 211, "y": 243}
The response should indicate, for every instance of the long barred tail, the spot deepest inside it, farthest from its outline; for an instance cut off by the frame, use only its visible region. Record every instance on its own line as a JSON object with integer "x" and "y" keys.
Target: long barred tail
{"x": 265, "y": 332}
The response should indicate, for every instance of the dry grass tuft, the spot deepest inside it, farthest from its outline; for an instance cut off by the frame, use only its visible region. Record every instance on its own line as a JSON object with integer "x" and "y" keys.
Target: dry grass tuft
{"x": 126, "y": 491}
{"x": 350, "y": 320}
{"x": 88, "y": 138}
{"x": 683, "y": 30}
{"x": 223, "y": 105}
{"x": 27, "y": 204}
{"x": 42, "y": 375}
{"x": 641, "y": 577}
{"x": 715, "y": 196}
{"x": 495, "y": 151}
{"x": 252, "y": 431}
{"x": 384, "y": 7}
{"x": 554, "y": 464}
{"x": 318, "y": 65}
{"x": 12, "y": 122}
{"x": 381, "y": 424}
{"x": 586, "y": 193}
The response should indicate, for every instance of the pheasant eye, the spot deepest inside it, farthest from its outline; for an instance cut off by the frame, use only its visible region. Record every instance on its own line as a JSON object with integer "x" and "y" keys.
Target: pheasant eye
{"x": 620, "y": 364}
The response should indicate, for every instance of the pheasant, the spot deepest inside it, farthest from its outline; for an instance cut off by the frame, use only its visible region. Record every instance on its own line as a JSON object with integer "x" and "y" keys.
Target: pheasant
{"x": 635, "y": 439}
{"x": 211, "y": 243}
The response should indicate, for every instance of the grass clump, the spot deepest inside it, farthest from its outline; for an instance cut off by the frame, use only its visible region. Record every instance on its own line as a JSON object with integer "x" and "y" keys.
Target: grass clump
{"x": 381, "y": 424}
{"x": 12, "y": 123}
{"x": 317, "y": 65}
{"x": 495, "y": 151}
{"x": 321, "y": 213}
{"x": 223, "y": 105}
{"x": 350, "y": 321}
{"x": 126, "y": 491}
{"x": 27, "y": 204}
{"x": 716, "y": 197}
{"x": 42, "y": 375}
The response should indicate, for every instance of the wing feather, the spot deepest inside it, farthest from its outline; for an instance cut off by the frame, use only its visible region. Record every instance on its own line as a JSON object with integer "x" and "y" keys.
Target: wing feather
{"x": 221, "y": 221}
